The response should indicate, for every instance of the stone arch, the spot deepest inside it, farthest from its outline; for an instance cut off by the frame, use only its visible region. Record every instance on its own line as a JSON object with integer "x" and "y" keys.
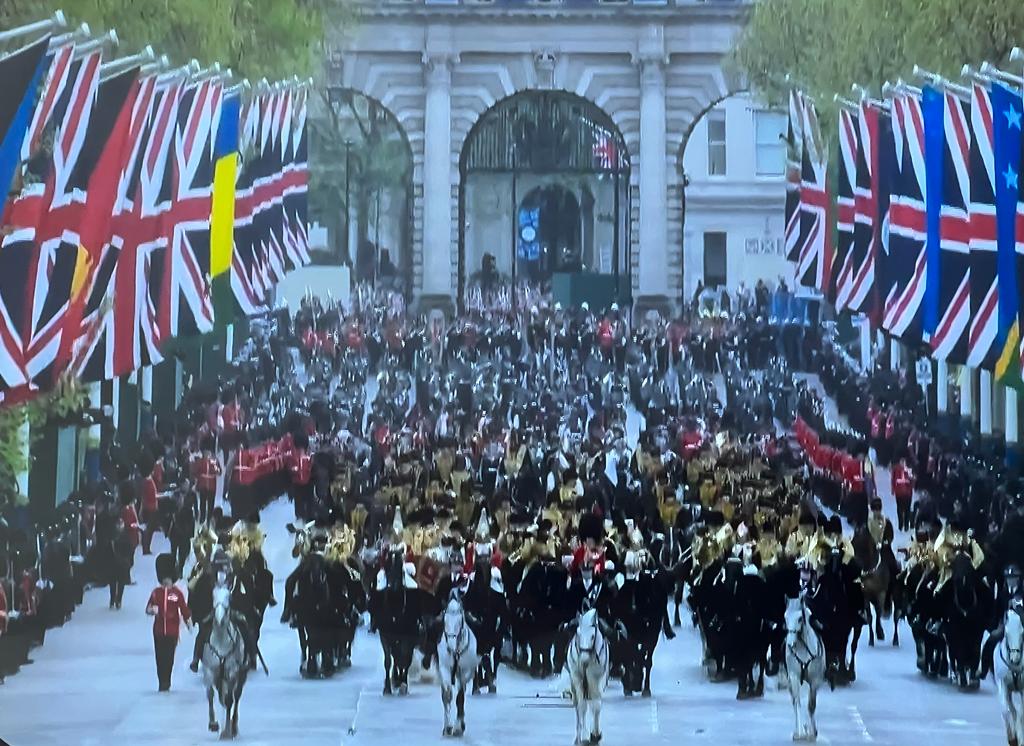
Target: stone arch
{"x": 581, "y": 156}
{"x": 339, "y": 103}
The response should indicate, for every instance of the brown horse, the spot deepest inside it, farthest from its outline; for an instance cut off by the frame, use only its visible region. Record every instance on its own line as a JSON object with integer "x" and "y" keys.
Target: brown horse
{"x": 878, "y": 577}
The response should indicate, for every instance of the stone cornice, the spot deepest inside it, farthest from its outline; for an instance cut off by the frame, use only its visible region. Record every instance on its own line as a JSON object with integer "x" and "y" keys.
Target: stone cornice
{"x": 454, "y": 14}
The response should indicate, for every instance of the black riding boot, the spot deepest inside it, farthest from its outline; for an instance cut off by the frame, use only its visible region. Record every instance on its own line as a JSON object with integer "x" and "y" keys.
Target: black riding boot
{"x": 988, "y": 651}
{"x": 201, "y": 639}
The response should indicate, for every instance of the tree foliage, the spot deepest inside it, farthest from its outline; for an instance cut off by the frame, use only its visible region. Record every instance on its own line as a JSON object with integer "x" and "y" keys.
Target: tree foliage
{"x": 825, "y": 46}
{"x": 376, "y": 153}
{"x": 64, "y": 401}
{"x": 255, "y": 38}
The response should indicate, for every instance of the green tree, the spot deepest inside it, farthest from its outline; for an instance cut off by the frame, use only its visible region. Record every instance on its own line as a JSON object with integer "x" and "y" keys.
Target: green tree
{"x": 255, "y": 38}
{"x": 825, "y": 46}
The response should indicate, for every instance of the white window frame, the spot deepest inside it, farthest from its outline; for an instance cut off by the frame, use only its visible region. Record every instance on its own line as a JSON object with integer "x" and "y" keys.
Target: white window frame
{"x": 718, "y": 147}
{"x": 776, "y": 144}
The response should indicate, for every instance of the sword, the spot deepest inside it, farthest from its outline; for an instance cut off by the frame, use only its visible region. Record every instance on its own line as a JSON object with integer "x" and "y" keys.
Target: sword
{"x": 259, "y": 656}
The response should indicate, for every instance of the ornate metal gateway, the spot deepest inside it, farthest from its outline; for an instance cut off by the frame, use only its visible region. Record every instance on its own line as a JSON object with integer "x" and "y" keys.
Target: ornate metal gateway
{"x": 545, "y": 132}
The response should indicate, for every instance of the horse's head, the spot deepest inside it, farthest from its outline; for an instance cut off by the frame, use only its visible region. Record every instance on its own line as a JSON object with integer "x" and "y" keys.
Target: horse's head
{"x": 1013, "y": 637}
{"x": 454, "y": 619}
{"x": 221, "y": 603}
{"x": 394, "y": 568}
{"x": 587, "y": 631}
{"x": 796, "y": 617}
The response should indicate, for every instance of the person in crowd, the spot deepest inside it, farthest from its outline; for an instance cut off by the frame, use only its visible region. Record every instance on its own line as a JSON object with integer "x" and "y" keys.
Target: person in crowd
{"x": 150, "y": 511}
{"x": 167, "y": 606}
{"x": 121, "y": 557}
{"x": 207, "y": 473}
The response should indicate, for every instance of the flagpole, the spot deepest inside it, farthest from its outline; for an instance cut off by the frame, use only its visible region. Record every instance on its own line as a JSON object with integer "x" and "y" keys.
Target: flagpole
{"x": 54, "y": 22}
{"x": 987, "y": 68}
{"x": 116, "y": 67}
{"x": 81, "y": 33}
{"x": 98, "y": 43}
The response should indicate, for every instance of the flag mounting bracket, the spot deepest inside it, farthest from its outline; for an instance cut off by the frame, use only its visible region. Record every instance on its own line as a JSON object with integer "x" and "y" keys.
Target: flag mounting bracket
{"x": 987, "y": 68}
{"x": 53, "y": 23}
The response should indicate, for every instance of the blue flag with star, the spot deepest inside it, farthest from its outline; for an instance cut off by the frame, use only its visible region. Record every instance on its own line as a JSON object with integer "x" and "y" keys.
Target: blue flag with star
{"x": 1007, "y": 110}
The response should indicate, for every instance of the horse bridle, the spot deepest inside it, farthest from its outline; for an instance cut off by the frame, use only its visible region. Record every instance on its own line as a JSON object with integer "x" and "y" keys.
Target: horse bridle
{"x": 811, "y": 655}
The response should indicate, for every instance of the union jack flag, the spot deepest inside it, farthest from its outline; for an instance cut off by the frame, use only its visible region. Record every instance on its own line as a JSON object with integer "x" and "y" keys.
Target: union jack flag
{"x": 908, "y": 228}
{"x": 815, "y": 256}
{"x": 794, "y": 176}
{"x": 866, "y": 228}
{"x": 94, "y": 351}
{"x": 296, "y": 237}
{"x": 949, "y": 342}
{"x": 43, "y": 242}
{"x": 984, "y": 238}
{"x": 186, "y": 306}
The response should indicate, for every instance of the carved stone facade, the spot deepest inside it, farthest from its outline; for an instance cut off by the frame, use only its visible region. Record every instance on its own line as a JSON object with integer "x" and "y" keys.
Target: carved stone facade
{"x": 439, "y": 66}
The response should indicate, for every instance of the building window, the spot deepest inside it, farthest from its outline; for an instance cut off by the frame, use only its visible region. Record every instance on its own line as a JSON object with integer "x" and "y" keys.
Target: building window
{"x": 715, "y": 255}
{"x": 716, "y": 143}
{"x": 770, "y": 143}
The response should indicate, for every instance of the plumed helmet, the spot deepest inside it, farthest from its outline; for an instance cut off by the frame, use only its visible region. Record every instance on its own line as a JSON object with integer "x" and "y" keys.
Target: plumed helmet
{"x": 397, "y": 525}
{"x": 483, "y": 527}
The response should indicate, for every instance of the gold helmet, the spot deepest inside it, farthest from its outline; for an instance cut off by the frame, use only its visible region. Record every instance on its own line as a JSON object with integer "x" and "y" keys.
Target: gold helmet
{"x": 203, "y": 543}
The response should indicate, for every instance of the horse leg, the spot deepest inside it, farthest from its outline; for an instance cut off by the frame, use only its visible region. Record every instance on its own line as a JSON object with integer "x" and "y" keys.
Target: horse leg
{"x": 234, "y": 715}
{"x": 869, "y": 607}
{"x": 852, "y": 672}
{"x": 1018, "y": 717}
{"x": 581, "y": 713}
{"x": 494, "y": 658}
{"x": 227, "y": 701}
{"x": 595, "y": 733}
{"x": 387, "y": 670}
{"x": 677, "y": 620}
{"x": 794, "y": 695}
{"x": 648, "y": 665}
{"x": 460, "y": 707}
{"x": 896, "y": 629}
{"x": 812, "y": 705}
{"x": 214, "y": 727}
{"x": 446, "y": 700}
{"x": 879, "y": 605}
{"x": 302, "y": 647}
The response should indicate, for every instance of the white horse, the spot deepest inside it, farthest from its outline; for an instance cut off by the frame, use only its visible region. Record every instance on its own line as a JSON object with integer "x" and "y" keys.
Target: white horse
{"x": 1008, "y": 669}
{"x": 457, "y": 661}
{"x": 224, "y": 664}
{"x": 587, "y": 663}
{"x": 805, "y": 664}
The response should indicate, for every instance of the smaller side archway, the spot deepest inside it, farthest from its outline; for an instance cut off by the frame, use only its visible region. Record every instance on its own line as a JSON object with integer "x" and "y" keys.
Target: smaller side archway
{"x": 361, "y": 188}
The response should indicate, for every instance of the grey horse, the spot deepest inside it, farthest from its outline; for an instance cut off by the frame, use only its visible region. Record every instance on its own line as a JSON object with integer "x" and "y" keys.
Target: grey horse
{"x": 224, "y": 664}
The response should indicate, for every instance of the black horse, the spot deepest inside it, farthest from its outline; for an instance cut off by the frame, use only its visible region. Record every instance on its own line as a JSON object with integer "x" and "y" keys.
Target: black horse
{"x": 837, "y": 606}
{"x": 967, "y": 604}
{"x": 395, "y": 610}
{"x": 487, "y": 611}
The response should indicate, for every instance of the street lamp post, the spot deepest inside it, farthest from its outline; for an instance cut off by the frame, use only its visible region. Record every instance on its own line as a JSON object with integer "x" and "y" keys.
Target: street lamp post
{"x": 348, "y": 203}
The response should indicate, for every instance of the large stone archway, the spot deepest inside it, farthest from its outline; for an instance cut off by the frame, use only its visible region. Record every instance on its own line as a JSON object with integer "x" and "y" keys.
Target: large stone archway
{"x": 439, "y": 67}
{"x": 563, "y": 149}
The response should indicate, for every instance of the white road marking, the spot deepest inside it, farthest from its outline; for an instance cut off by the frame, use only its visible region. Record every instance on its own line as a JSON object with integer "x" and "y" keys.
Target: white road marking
{"x": 655, "y": 725}
{"x": 955, "y": 721}
{"x": 859, "y": 722}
